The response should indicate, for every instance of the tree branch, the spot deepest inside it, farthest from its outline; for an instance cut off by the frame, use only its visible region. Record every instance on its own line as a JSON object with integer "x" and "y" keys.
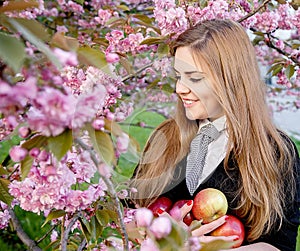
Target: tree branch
{"x": 112, "y": 191}
{"x": 65, "y": 236}
{"x": 254, "y": 11}
{"x": 45, "y": 235}
{"x": 137, "y": 72}
{"x": 21, "y": 233}
{"x": 82, "y": 245}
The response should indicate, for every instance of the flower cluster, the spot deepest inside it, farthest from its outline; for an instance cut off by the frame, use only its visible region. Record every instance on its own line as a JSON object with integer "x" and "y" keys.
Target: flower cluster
{"x": 49, "y": 185}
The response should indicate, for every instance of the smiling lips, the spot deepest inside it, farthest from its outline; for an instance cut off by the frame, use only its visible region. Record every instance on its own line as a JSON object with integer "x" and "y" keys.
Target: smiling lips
{"x": 188, "y": 102}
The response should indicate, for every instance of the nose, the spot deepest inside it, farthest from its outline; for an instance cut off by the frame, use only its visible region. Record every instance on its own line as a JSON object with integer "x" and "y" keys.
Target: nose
{"x": 181, "y": 88}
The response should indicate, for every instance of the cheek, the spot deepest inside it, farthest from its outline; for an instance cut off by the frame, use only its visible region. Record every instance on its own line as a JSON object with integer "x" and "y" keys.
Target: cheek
{"x": 209, "y": 102}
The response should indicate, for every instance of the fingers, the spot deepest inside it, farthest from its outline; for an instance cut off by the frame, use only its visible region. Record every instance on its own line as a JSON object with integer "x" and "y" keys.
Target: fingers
{"x": 207, "y": 228}
{"x": 206, "y": 239}
{"x": 186, "y": 208}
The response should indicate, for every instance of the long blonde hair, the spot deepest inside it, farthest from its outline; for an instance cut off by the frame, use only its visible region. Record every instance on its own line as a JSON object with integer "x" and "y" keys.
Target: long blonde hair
{"x": 264, "y": 158}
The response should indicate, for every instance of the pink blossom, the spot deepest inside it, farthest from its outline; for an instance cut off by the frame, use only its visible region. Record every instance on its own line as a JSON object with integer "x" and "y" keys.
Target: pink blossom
{"x": 143, "y": 217}
{"x": 68, "y": 58}
{"x": 122, "y": 143}
{"x": 24, "y": 131}
{"x": 161, "y": 227}
{"x": 18, "y": 153}
{"x": 98, "y": 124}
{"x": 112, "y": 57}
{"x": 4, "y": 218}
{"x": 34, "y": 152}
{"x": 103, "y": 16}
{"x": 49, "y": 186}
{"x": 104, "y": 170}
{"x": 61, "y": 28}
{"x": 149, "y": 245}
{"x": 16, "y": 96}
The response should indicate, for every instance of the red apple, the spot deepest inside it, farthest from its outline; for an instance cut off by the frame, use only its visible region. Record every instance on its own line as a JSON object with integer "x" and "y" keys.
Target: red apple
{"x": 175, "y": 211}
{"x": 232, "y": 226}
{"x": 161, "y": 204}
{"x": 209, "y": 205}
{"x": 188, "y": 219}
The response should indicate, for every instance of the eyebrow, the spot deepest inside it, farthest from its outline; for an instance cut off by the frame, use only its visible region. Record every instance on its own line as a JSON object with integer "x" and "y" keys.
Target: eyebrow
{"x": 190, "y": 72}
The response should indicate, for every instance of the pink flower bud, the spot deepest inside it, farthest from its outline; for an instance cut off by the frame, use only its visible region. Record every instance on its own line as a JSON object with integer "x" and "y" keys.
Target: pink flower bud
{"x": 34, "y": 152}
{"x": 149, "y": 245}
{"x": 17, "y": 153}
{"x": 24, "y": 131}
{"x": 104, "y": 170}
{"x": 143, "y": 217}
{"x": 98, "y": 124}
{"x": 50, "y": 170}
{"x": 43, "y": 156}
{"x": 122, "y": 143}
{"x": 161, "y": 227}
{"x": 112, "y": 57}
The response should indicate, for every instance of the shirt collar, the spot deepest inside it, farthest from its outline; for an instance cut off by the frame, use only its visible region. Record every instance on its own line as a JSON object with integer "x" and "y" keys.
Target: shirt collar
{"x": 219, "y": 123}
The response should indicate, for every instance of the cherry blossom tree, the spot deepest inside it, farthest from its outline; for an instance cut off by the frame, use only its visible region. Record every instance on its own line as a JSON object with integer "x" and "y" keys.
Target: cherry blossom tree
{"x": 73, "y": 74}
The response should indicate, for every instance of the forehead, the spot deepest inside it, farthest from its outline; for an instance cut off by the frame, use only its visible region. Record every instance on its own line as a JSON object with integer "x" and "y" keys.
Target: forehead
{"x": 183, "y": 61}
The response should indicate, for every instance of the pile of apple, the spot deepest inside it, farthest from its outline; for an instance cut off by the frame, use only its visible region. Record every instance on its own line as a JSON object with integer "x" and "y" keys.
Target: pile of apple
{"x": 208, "y": 205}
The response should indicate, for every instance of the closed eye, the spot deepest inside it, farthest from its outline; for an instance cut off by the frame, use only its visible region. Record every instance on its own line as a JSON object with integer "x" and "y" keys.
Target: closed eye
{"x": 195, "y": 80}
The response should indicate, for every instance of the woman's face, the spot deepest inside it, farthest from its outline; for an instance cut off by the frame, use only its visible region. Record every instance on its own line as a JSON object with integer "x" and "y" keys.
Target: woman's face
{"x": 194, "y": 88}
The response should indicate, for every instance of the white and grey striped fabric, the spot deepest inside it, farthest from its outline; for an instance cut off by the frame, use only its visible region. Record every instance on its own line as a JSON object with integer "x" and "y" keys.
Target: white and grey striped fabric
{"x": 197, "y": 154}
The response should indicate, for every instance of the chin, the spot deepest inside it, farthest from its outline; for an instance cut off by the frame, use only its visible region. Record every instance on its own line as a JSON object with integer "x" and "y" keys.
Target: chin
{"x": 195, "y": 116}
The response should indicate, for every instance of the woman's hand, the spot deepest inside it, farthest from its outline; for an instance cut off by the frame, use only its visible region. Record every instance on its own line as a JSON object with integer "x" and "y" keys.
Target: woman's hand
{"x": 201, "y": 231}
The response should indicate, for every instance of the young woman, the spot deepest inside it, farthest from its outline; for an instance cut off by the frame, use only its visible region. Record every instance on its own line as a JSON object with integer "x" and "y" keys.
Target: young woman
{"x": 252, "y": 162}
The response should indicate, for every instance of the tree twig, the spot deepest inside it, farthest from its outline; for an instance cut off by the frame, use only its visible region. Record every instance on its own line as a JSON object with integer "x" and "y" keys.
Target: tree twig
{"x": 45, "y": 235}
{"x": 137, "y": 72}
{"x": 82, "y": 245}
{"x": 112, "y": 191}
{"x": 21, "y": 233}
{"x": 65, "y": 236}
{"x": 254, "y": 11}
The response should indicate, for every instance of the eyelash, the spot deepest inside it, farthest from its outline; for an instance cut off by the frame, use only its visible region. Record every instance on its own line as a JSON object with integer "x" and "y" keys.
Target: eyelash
{"x": 194, "y": 80}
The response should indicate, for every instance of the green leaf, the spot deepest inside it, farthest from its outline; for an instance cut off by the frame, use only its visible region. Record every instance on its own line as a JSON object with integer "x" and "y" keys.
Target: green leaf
{"x": 12, "y": 51}
{"x": 54, "y": 215}
{"x": 96, "y": 228}
{"x": 79, "y": 1}
{"x": 295, "y": 46}
{"x": 163, "y": 50}
{"x": 113, "y": 127}
{"x": 93, "y": 57}
{"x": 4, "y": 194}
{"x": 153, "y": 40}
{"x": 3, "y": 171}
{"x": 59, "y": 145}
{"x": 168, "y": 88}
{"x": 123, "y": 7}
{"x": 18, "y": 5}
{"x": 275, "y": 69}
{"x": 289, "y": 71}
{"x": 103, "y": 217}
{"x": 26, "y": 165}
{"x": 64, "y": 42}
{"x": 5, "y": 146}
{"x": 127, "y": 65}
{"x": 143, "y": 18}
{"x": 26, "y": 33}
{"x": 85, "y": 227}
{"x": 103, "y": 145}
{"x": 36, "y": 141}
{"x": 216, "y": 245}
{"x": 35, "y": 28}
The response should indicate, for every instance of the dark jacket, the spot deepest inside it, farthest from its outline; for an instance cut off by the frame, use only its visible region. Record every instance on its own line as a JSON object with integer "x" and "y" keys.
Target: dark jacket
{"x": 228, "y": 182}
